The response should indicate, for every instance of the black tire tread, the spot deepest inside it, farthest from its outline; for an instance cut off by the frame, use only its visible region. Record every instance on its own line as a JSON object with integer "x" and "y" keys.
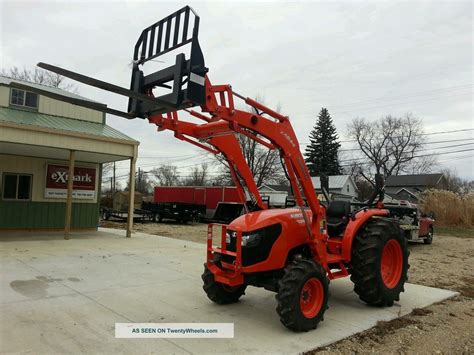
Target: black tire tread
{"x": 215, "y": 290}
{"x": 366, "y": 259}
{"x": 289, "y": 294}
{"x": 429, "y": 240}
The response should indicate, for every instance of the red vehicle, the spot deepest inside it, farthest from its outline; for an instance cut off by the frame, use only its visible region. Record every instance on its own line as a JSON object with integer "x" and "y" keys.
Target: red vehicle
{"x": 417, "y": 227}
{"x": 210, "y": 196}
{"x": 294, "y": 252}
{"x": 425, "y": 230}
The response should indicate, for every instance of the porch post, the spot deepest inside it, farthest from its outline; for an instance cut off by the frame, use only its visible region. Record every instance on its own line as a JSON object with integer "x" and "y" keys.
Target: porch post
{"x": 70, "y": 181}
{"x": 131, "y": 197}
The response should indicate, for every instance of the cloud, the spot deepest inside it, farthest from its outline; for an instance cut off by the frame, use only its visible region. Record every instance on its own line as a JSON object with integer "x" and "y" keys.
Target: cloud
{"x": 300, "y": 55}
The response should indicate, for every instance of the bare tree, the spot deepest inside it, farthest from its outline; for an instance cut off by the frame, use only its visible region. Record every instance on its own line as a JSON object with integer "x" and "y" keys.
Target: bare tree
{"x": 389, "y": 146}
{"x": 167, "y": 175}
{"x": 142, "y": 183}
{"x": 422, "y": 165}
{"x": 39, "y": 76}
{"x": 264, "y": 163}
{"x": 199, "y": 176}
{"x": 455, "y": 183}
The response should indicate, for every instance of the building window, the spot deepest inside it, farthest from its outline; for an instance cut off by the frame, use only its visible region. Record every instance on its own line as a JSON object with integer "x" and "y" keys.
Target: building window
{"x": 347, "y": 188}
{"x": 16, "y": 186}
{"x": 24, "y": 98}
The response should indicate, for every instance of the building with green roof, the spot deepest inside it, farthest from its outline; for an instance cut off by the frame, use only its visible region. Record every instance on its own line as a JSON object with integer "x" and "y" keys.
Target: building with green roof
{"x": 41, "y": 138}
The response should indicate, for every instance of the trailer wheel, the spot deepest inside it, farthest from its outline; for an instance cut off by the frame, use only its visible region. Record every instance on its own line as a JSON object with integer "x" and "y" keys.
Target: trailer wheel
{"x": 379, "y": 262}
{"x": 218, "y": 292}
{"x": 158, "y": 217}
{"x": 105, "y": 215}
{"x": 302, "y": 295}
{"x": 429, "y": 237}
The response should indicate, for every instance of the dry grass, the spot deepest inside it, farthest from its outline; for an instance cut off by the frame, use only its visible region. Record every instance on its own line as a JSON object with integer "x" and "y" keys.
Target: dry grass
{"x": 450, "y": 209}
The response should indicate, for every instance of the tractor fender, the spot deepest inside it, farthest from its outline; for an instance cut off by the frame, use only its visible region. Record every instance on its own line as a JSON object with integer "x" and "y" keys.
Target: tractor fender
{"x": 353, "y": 227}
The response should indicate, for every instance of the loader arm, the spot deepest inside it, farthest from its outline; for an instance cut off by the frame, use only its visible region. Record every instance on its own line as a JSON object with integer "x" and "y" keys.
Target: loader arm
{"x": 227, "y": 145}
{"x": 275, "y": 132}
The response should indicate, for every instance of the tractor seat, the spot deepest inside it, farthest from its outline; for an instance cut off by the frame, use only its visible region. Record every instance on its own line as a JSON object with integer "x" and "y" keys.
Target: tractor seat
{"x": 337, "y": 216}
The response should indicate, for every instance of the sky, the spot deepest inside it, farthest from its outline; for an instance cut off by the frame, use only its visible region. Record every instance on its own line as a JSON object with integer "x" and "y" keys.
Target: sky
{"x": 356, "y": 58}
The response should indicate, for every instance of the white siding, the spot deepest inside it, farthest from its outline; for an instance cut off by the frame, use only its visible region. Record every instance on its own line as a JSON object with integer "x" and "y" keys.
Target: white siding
{"x": 57, "y": 108}
{"x": 54, "y": 107}
{"x": 352, "y": 188}
{"x": 277, "y": 198}
{"x": 4, "y": 96}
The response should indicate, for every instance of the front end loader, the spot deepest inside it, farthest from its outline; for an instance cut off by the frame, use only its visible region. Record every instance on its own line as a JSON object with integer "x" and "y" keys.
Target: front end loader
{"x": 293, "y": 252}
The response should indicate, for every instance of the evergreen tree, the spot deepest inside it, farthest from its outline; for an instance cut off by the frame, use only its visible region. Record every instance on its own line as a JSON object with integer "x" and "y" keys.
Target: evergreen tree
{"x": 321, "y": 152}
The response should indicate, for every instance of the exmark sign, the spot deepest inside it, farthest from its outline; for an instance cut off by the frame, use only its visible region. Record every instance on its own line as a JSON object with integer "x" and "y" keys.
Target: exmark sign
{"x": 57, "y": 176}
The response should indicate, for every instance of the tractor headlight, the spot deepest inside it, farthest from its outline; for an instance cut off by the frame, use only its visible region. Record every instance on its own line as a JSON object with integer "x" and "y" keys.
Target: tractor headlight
{"x": 229, "y": 235}
{"x": 250, "y": 240}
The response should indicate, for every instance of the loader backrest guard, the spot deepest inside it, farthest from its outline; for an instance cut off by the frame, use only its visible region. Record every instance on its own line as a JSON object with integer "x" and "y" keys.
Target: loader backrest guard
{"x": 162, "y": 37}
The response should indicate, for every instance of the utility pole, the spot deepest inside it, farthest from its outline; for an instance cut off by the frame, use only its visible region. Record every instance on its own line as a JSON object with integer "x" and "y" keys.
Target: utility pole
{"x": 114, "y": 185}
{"x": 111, "y": 189}
{"x": 138, "y": 181}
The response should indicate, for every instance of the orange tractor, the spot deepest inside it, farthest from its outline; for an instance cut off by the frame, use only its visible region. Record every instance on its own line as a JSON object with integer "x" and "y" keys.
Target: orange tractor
{"x": 294, "y": 252}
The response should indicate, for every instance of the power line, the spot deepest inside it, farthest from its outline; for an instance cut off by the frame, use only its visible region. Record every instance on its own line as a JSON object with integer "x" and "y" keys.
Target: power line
{"x": 448, "y": 146}
{"x": 415, "y": 94}
{"x": 452, "y": 140}
{"x": 148, "y": 165}
{"x": 457, "y": 158}
{"x": 168, "y": 157}
{"x": 444, "y": 147}
{"x": 398, "y": 103}
{"x": 423, "y": 134}
{"x": 359, "y": 161}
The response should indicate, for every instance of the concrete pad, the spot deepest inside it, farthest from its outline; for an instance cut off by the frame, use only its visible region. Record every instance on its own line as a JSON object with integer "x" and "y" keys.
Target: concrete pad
{"x": 61, "y": 296}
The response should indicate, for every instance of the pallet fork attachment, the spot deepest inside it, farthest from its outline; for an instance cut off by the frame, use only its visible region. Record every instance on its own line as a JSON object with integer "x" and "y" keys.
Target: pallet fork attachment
{"x": 185, "y": 79}
{"x": 162, "y": 37}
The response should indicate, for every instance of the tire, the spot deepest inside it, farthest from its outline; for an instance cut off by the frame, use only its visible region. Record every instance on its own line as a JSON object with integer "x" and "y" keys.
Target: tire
{"x": 105, "y": 215}
{"x": 302, "y": 295}
{"x": 379, "y": 262}
{"x": 429, "y": 238}
{"x": 158, "y": 218}
{"x": 218, "y": 292}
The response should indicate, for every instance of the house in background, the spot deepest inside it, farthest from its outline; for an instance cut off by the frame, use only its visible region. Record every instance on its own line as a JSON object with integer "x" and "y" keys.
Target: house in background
{"x": 276, "y": 193}
{"x": 341, "y": 187}
{"x": 408, "y": 187}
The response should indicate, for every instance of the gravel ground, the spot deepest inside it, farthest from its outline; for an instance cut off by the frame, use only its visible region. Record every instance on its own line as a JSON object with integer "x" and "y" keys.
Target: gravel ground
{"x": 443, "y": 328}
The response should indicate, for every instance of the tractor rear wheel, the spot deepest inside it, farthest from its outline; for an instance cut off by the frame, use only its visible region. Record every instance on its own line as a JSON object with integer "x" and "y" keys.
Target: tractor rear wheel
{"x": 302, "y": 295}
{"x": 379, "y": 262}
{"x": 218, "y": 292}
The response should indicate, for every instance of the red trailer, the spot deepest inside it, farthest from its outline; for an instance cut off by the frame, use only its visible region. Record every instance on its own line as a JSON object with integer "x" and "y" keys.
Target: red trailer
{"x": 201, "y": 195}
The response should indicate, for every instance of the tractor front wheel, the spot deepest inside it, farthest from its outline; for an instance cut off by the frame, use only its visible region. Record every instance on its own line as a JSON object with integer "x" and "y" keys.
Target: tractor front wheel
{"x": 379, "y": 262}
{"x": 302, "y": 295}
{"x": 218, "y": 292}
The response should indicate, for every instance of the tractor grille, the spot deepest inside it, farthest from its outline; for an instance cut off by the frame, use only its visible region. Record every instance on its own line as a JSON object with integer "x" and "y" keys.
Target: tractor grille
{"x": 255, "y": 253}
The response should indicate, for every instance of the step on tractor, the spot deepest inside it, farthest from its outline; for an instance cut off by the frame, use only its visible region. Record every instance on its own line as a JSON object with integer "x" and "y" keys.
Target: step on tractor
{"x": 294, "y": 252}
